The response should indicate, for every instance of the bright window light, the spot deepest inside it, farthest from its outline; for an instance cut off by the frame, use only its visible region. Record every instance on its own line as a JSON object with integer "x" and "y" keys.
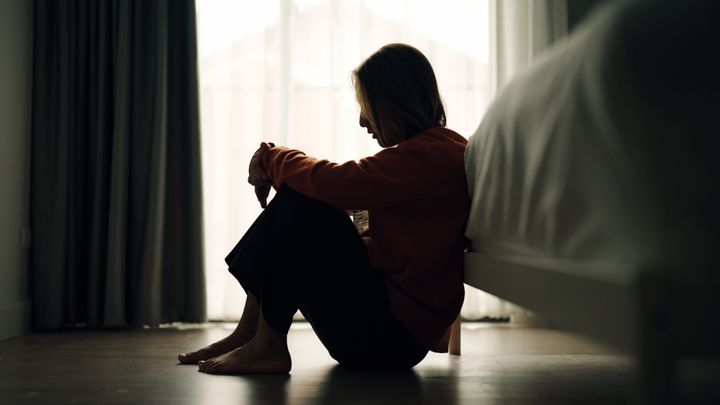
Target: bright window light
{"x": 280, "y": 71}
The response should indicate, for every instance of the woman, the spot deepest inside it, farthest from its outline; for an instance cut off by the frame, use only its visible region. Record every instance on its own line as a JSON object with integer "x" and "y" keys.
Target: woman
{"x": 378, "y": 301}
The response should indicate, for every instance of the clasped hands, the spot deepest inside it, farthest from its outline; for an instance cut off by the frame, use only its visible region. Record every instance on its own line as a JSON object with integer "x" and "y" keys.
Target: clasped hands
{"x": 257, "y": 176}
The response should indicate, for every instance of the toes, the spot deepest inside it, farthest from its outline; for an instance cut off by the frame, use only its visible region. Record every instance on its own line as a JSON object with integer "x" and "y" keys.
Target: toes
{"x": 193, "y": 357}
{"x": 213, "y": 368}
{"x": 187, "y": 358}
{"x": 204, "y": 365}
{"x": 210, "y": 366}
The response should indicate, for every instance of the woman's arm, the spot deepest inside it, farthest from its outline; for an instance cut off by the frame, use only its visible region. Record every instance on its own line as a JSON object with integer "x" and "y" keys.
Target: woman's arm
{"x": 390, "y": 177}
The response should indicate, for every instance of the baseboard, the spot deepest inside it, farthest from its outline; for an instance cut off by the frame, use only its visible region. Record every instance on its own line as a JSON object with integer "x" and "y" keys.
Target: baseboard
{"x": 14, "y": 318}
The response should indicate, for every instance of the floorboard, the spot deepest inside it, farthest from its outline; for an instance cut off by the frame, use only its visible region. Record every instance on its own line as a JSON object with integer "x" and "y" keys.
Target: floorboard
{"x": 500, "y": 364}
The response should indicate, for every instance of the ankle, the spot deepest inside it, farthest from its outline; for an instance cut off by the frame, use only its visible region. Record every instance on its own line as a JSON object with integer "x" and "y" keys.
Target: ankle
{"x": 265, "y": 343}
{"x": 248, "y": 323}
{"x": 242, "y": 334}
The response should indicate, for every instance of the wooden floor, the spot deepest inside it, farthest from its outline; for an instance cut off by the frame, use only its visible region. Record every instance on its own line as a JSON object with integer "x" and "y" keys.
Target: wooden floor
{"x": 500, "y": 364}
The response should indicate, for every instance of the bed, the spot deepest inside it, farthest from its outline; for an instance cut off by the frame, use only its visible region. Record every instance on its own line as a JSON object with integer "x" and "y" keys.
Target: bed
{"x": 595, "y": 189}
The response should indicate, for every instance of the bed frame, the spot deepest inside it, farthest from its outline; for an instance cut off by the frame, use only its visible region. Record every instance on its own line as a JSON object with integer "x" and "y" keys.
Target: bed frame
{"x": 656, "y": 316}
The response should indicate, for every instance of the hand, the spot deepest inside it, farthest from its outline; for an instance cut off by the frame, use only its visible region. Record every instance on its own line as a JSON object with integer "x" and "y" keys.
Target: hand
{"x": 256, "y": 173}
{"x": 257, "y": 176}
{"x": 261, "y": 193}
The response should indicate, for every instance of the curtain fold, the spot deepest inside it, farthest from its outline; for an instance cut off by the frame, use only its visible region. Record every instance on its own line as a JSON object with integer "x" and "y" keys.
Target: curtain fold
{"x": 116, "y": 205}
{"x": 521, "y": 30}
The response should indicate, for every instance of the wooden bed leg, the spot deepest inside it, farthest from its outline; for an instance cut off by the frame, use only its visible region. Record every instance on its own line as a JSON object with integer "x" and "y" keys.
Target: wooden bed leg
{"x": 454, "y": 345}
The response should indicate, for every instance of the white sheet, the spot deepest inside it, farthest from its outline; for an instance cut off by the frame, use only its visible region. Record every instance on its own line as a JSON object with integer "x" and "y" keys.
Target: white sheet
{"x": 563, "y": 164}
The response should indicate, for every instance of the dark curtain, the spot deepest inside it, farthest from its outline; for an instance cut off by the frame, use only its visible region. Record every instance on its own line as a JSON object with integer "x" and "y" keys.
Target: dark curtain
{"x": 116, "y": 185}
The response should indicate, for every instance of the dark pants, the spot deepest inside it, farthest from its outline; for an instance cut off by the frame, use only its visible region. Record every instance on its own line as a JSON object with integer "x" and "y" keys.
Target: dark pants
{"x": 304, "y": 254}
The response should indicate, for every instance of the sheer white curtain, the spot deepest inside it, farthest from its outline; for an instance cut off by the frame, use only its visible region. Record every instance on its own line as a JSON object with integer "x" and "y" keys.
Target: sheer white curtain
{"x": 279, "y": 70}
{"x": 520, "y": 31}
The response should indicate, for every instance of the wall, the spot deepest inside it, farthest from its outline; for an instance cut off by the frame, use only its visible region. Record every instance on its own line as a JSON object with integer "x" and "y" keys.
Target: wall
{"x": 16, "y": 27}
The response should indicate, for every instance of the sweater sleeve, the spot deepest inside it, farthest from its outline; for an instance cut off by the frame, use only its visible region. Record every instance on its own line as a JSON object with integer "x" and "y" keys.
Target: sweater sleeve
{"x": 390, "y": 177}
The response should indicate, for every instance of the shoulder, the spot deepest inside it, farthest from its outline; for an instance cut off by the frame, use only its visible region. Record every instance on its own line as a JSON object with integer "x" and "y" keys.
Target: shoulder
{"x": 434, "y": 144}
{"x": 434, "y": 139}
{"x": 436, "y": 136}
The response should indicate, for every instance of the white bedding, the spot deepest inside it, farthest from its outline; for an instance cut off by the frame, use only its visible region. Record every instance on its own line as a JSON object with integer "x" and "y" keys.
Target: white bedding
{"x": 564, "y": 163}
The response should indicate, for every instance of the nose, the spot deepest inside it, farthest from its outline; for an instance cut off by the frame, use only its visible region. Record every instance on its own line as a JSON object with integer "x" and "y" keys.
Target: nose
{"x": 362, "y": 121}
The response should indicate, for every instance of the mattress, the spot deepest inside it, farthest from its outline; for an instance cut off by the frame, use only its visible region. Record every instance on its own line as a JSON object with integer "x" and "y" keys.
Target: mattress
{"x": 604, "y": 148}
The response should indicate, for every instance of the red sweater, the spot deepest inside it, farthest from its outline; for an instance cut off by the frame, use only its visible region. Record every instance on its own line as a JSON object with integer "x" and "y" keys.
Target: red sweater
{"x": 417, "y": 199}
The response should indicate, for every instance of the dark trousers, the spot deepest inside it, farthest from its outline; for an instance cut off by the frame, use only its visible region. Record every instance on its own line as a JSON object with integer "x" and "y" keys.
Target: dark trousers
{"x": 302, "y": 254}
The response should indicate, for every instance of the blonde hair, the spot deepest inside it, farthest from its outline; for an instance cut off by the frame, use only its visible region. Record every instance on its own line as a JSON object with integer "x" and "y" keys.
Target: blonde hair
{"x": 400, "y": 78}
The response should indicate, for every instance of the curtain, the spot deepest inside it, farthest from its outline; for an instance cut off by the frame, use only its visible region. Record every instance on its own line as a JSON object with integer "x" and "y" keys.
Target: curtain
{"x": 279, "y": 70}
{"x": 116, "y": 206}
{"x": 523, "y": 29}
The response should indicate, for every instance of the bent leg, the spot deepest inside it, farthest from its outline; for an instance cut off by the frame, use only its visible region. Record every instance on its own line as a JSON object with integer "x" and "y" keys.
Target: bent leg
{"x": 258, "y": 239}
{"x": 304, "y": 254}
{"x": 291, "y": 238}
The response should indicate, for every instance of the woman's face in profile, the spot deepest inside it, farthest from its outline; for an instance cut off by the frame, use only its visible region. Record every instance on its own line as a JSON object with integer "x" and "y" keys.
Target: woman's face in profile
{"x": 368, "y": 125}
{"x": 386, "y": 138}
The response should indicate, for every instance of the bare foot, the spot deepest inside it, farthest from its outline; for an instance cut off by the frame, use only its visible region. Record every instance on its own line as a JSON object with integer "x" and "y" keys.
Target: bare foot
{"x": 253, "y": 358}
{"x": 222, "y": 346}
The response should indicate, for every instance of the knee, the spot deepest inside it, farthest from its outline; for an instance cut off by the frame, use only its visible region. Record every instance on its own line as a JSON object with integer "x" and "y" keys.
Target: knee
{"x": 285, "y": 200}
{"x": 292, "y": 201}
{"x": 286, "y": 196}
{"x": 285, "y": 192}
